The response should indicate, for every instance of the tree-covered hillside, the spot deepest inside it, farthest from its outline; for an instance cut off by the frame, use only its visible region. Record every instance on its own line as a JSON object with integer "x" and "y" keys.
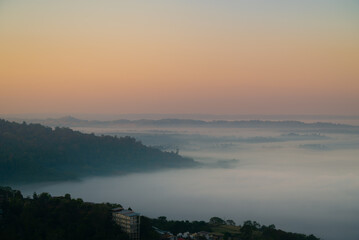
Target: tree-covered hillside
{"x": 249, "y": 230}
{"x": 58, "y": 218}
{"x": 44, "y": 217}
{"x": 32, "y": 152}
{"x": 47, "y": 217}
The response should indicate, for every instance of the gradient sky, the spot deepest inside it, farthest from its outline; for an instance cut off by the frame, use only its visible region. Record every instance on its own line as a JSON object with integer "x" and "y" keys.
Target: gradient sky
{"x": 217, "y": 57}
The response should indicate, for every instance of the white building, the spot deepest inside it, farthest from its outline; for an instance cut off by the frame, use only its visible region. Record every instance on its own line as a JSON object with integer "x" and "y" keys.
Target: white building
{"x": 129, "y": 221}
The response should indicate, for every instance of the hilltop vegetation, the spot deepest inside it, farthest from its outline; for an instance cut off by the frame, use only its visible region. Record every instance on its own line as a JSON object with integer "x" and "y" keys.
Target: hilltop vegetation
{"x": 32, "y": 152}
{"x": 249, "y": 230}
{"x": 55, "y": 218}
{"x": 46, "y": 217}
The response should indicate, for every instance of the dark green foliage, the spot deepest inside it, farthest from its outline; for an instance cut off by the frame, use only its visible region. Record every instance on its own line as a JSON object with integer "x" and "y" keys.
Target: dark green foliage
{"x": 147, "y": 232}
{"x": 253, "y": 231}
{"x": 230, "y": 222}
{"x": 55, "y": 218}
{"x": 250, "y": 230}
{"x": 32, "y": 152}
{"x": 176, "y": 227}
{"x": 217, "y": 221}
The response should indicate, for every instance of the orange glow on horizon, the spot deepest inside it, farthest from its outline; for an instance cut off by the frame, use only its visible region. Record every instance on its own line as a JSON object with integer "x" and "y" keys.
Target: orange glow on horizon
{"x": 114, "y": 65}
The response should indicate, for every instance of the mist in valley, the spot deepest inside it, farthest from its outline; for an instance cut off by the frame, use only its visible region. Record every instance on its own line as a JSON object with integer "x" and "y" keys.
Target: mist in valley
{"x": 301, "y": 181}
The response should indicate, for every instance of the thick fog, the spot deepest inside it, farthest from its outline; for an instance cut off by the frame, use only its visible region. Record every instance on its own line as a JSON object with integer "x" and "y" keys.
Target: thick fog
{"x": 300, "y": 181}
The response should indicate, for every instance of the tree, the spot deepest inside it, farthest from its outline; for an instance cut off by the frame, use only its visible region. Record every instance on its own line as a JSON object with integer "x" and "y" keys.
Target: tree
{"x": 217, "y": 221}
{"x": 230, "y": 222}
{"x": 162, "y": 219}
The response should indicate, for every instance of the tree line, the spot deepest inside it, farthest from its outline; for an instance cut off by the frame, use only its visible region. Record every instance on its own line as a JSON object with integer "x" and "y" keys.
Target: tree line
{"x": 32, "y": 152}
{"x": 43, "y": 217}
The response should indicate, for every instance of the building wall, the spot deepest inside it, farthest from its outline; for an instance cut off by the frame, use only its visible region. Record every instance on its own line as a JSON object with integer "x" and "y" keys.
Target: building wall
{"x": 129, "y": 224}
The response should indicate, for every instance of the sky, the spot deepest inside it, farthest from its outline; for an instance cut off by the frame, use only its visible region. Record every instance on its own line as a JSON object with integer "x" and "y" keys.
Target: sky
{"x": 179, "y": 57}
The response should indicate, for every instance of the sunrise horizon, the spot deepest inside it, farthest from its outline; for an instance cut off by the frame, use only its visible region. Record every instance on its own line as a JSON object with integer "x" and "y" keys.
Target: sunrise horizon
{"x": 232, "y": 57}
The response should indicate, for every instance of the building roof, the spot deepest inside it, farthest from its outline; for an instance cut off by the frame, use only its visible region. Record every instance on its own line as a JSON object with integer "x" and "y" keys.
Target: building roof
{"x": 132, "y": 214}
{"x": 162, "y": 232}
{"x": 117, "y": 209}
{"x": 128, "y": 213}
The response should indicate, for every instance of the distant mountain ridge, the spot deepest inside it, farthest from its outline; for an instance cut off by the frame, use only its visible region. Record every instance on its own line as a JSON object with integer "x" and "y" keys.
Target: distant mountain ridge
{"x": 32, "y": 152}
{"x": 70, "y": 121}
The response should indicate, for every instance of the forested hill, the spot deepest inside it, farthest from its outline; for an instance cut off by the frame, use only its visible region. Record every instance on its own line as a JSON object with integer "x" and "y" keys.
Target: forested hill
{"x": 46, "y": 217}
{"x": 32, "y": 152}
